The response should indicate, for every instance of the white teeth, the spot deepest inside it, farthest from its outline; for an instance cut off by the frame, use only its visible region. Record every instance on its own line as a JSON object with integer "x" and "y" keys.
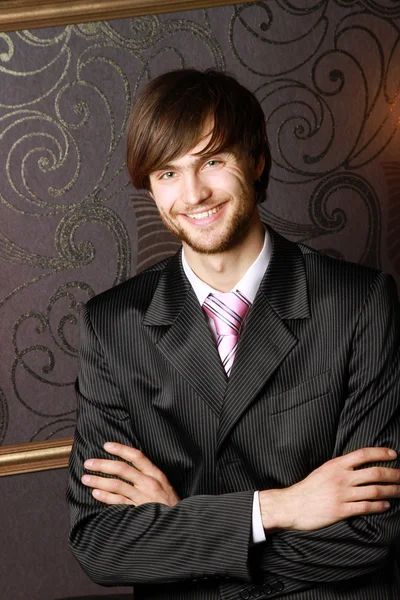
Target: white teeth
{"x": 205, "y": 214}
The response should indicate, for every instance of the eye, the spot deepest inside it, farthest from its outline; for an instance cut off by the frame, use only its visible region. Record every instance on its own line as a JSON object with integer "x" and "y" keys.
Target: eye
{"x": 212, "y": 163}
{"x": 168, "y": 175}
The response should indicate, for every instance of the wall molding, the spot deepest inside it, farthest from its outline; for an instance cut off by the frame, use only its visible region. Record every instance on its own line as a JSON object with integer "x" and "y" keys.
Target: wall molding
{"x": 32, "y": 14}
{"x": 34, "y": 456}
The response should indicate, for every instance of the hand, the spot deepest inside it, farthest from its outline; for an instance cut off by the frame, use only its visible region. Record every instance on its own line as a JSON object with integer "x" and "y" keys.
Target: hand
{"x": 333, "y": 492}
{"x": 143, "y": 481}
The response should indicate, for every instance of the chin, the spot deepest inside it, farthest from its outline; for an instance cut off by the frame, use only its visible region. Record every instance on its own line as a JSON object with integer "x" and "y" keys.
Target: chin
{"x": 218, "y": 244}
{"x": 213, "y": 248}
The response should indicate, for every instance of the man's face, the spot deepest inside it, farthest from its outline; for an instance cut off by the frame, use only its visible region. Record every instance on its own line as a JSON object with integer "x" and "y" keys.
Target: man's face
{"x": 207, "y": 201}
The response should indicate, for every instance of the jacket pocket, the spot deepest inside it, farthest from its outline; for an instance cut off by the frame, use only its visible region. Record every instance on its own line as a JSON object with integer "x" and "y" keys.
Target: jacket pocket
{"x": 314, "y": 387}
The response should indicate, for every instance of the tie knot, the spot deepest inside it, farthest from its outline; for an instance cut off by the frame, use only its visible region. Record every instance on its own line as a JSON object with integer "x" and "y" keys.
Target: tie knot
{"x": 228, "y": 311}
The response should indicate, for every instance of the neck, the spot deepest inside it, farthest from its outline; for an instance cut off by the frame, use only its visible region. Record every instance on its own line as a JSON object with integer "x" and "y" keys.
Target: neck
{"x": 223, "y": 271}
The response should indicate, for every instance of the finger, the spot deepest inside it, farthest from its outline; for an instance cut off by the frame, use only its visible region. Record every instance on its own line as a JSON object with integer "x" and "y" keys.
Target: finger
{"x": 114, "y": 486}
{"x": 135, "y": 456}
{"x": 376, "y": 475}
{"x": 113, "y": 467}
{"x": 354, "y": 509}
{"x": 365, "y": 455}
{"x": 108, "y": 498}
{"x": 375, "y": 492}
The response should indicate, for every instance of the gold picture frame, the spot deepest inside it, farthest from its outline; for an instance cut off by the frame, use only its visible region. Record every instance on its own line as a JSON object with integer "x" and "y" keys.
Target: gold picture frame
{"x": 31, "y": 14}
{"x": 16, "y": 15}
{"x": 35, "y": 456}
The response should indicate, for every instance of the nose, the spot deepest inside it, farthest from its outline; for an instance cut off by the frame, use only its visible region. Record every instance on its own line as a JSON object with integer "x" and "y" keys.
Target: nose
{"x": 196, "y": 189}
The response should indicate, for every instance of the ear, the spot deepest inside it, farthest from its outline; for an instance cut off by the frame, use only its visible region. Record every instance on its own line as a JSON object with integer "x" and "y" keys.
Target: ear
{"x": 259, "y": 166}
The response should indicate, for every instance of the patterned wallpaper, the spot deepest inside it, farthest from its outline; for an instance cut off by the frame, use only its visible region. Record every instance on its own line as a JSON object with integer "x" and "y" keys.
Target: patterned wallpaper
{"x": 327, "y": 74}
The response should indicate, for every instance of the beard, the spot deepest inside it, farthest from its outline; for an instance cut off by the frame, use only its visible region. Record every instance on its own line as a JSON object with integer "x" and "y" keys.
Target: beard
{"x": 214, "y": 241}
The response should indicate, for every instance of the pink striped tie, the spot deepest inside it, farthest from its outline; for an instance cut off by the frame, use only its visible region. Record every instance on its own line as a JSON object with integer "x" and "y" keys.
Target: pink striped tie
{"x": 228, "y": 312}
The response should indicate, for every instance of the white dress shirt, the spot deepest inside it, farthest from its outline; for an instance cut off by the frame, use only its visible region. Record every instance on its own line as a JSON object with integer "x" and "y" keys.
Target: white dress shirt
{"x": 248, "y": 286}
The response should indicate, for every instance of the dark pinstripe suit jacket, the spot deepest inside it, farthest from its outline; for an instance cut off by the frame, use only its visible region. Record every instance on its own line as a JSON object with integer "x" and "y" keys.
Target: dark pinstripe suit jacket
{"x": 316, "y": 375}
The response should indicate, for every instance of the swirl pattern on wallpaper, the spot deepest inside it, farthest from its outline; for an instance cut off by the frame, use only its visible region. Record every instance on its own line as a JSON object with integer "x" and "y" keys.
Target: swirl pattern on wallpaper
{"x": 333, "y": 120}
{"x": 71, "y": 224}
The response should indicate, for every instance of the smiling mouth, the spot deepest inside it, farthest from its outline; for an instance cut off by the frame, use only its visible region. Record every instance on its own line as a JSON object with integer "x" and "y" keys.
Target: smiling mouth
{"x": 205, "y": 214}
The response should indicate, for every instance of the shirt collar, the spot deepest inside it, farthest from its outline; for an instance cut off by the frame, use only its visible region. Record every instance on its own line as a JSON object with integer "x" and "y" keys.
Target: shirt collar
{"x": 249, "y": 283}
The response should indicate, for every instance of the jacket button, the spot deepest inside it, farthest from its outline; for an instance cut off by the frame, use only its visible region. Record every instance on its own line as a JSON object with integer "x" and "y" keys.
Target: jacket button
{"x": 245, "y": 594}
{"x": 267, "y": 589}
{"x": 278, "y": 586}
{"x": 256, "y": 591}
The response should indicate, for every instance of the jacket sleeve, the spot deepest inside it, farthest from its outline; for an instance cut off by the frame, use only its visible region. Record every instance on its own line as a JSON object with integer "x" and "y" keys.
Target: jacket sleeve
{"x": 201, "y": 537}
{"x": 370, "y": 418}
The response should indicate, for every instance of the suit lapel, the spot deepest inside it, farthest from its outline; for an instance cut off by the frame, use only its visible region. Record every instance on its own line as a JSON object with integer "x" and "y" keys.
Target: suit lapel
{"x": 177, "y": 325}
{"x": 266, "y": 339}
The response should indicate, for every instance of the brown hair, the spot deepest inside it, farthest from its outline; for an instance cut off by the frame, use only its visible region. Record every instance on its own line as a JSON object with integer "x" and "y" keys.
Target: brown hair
{"x": 169, "y": 115}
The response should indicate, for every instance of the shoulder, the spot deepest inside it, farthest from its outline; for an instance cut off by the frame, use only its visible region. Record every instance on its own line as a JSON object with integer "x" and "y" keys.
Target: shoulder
{"x": 345, "y": 281}
{"x": 321, "y": 266}
{"x": 324, "y": 274}
{"x": 135, "y": 293}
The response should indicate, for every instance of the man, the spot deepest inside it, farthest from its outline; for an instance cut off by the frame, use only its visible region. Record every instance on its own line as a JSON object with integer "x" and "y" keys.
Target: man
{"x": 247, "y": 387}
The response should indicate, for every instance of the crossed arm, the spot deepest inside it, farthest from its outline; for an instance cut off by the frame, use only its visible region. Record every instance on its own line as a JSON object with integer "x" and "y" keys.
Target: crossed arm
{"x": 333, "y": 492}
{"x": 319, "y": 507}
